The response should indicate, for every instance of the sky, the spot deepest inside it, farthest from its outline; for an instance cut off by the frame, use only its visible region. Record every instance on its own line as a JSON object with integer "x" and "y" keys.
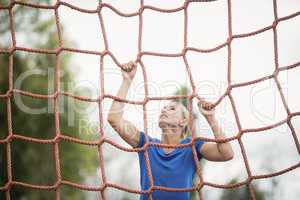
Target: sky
{"x": 252, "y": 57}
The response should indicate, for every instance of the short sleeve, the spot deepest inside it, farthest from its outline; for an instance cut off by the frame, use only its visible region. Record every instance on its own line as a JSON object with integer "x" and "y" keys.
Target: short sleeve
{"x": 198, "y": 145}
{"x": 142, "y": 139}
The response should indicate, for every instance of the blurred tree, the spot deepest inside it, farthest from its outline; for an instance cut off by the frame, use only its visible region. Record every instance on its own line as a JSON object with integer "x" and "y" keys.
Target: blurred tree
{"x": 34, "y": 163}
{"x": 242, "y": 193}
{"x": 236, "y": 194}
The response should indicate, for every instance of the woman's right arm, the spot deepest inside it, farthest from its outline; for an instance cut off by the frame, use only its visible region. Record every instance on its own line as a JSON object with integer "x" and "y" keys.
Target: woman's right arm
{"x": 124, "y": 128}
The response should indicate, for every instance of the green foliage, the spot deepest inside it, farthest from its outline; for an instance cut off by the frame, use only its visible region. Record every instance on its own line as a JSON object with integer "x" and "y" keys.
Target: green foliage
{"x": 34, "y": 163}
{"x": 242, "y": 193}
{"x": 231, "y": 194}
{"x": 183, "y": 90}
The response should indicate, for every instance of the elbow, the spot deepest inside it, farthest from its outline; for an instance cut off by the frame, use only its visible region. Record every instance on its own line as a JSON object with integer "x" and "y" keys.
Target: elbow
{"x": 111, "y": 120}
{"x": 229, "y": 156}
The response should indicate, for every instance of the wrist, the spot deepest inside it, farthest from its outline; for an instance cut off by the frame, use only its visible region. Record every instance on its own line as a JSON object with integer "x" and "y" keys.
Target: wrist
{"x": 127, "y": 80}
{"x": 219, "y": 136}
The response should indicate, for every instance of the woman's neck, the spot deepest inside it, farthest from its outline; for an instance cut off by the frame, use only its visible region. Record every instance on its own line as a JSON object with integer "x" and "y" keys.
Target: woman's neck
{"x": 170, "y": 136}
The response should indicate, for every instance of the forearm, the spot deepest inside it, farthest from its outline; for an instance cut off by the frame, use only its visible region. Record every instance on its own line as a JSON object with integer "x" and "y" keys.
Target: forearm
{"x": 116, "y": 109}
{"x": 224, "y": 148}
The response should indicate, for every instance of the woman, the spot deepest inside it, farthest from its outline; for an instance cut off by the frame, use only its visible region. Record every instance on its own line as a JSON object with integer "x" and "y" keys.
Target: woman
{"x": 170, "y": 167}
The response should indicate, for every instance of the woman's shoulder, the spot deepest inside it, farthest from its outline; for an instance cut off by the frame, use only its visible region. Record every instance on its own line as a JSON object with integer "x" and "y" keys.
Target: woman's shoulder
{"x": 186, "y": 140}
{"x": 151, "y": 139}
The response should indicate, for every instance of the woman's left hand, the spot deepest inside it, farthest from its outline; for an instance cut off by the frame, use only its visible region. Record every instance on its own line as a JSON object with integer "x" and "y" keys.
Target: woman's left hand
{"x": 206, "y": 108}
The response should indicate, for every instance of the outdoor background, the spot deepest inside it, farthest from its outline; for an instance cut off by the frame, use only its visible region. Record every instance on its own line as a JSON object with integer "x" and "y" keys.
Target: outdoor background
{"x": 258, "y": 105}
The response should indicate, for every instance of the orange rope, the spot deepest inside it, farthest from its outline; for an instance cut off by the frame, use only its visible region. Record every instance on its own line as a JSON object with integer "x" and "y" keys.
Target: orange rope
{"x": 58, "y": 137}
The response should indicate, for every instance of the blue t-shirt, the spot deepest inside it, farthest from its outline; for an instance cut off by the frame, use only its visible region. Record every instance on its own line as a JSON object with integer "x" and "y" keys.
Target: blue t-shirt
{"x": 174, "y": 170}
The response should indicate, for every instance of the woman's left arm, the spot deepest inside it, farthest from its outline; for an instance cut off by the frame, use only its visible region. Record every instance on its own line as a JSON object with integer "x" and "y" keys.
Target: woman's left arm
{"x": 210, "y": 150}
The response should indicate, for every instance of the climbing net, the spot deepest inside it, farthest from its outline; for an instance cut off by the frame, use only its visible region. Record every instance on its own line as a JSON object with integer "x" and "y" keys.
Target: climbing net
{"x": 102, "y": 139}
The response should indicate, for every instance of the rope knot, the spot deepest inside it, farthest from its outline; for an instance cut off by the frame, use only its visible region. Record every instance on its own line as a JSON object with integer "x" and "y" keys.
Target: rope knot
{"x": 8, "y": 186}
{"x": 275, "y": 23}
{"x": 59, "y": 50}
{"x": 141, "y": 10}
{"x": 57, "y": 139}
{"x": 9, "y": 138}
{"x": 105, "y": 52}
{"x": 12, "y": 50}
{"x": 9, "y": 93}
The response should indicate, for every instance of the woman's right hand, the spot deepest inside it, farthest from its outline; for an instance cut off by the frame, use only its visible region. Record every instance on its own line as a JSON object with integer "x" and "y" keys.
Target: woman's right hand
{"x": 129, "y": 70}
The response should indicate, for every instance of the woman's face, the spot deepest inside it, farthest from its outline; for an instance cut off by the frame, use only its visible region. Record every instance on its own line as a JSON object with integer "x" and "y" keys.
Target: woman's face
{"x": 171, "y": 116}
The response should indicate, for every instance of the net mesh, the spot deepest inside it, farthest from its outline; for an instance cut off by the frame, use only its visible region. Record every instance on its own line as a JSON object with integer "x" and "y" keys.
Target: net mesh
{"x": 54, "y": 97}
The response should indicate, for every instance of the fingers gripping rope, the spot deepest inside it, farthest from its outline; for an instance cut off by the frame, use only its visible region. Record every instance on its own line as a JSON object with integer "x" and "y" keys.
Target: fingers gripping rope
{"x": 55, "y": 141}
